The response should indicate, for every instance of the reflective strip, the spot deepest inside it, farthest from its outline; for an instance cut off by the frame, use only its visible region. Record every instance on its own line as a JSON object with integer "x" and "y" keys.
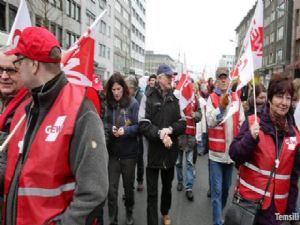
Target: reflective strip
{"x": 217, "y": 140}
{"x": 255, "y": 189}
{"x": 281, "y": 196}
{"x": 217, "y": 128}
{"x": 189, "y": 117}
{"x": 266, "y": 172}
{"x": 43, "y": 192}
{"x": 144, "y": 120}
{"x": 191, "y": 127}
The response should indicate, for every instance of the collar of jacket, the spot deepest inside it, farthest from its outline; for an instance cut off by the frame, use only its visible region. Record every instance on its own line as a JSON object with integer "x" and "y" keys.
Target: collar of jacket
{"x": 266, "y": 124}
{"x": 45, "y": 99}
{"x": 219, "y": 92}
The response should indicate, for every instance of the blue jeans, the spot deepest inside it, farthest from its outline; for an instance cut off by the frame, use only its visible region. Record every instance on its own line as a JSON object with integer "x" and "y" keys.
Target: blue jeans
{"x": 220, "y": 181}
{"x": 189, "y": 178}
{"x": 202, "y": 147}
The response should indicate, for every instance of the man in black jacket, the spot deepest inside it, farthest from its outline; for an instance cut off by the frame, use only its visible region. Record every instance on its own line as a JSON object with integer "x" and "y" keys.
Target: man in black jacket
{"x": 161, "y": 121}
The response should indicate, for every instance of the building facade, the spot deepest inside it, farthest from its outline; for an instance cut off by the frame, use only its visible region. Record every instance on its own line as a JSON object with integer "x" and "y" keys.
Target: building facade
{"x": 279, "y": 42}
{"x": 153, "y": 61}
{"x": 227, "y": 61}
{"x": 138, "y": 34}
{"x": 69, "y": 19}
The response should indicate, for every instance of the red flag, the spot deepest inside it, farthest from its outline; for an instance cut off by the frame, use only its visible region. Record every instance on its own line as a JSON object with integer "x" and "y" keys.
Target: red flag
{"x": 97, "y": 83}
{"x": 184, "y": 91}
{"x": 78, "y": 62}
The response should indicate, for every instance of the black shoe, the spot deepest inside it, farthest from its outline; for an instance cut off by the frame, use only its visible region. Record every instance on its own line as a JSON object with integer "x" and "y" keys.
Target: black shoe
{"x": 179, "y": 187}
{"x": 129, "y": 218}
{"x": 189, "y": 195}
{"x": 208, "y": 193}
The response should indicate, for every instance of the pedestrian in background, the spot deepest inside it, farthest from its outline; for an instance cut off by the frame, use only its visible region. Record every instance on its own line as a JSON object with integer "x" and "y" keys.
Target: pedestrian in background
{"x": 260, "y": 99}
{"x": 161, "y": 121}
{"x": 136, "y": 92}
{"x": 122, "y": 145}
{"x": 187, "y": 144}
{"x": 56, "y": 170}
{"x": 269, "y": 146}
{"x": 220, "y": 136}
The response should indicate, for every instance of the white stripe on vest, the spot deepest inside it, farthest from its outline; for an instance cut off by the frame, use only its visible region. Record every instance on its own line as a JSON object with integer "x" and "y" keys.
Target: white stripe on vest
{"x": 43, "y": 192}
{"x": 266, "y": 172}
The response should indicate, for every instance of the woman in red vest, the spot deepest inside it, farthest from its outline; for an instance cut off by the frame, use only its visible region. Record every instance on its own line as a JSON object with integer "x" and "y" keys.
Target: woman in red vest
{"x": 268, "y": 146}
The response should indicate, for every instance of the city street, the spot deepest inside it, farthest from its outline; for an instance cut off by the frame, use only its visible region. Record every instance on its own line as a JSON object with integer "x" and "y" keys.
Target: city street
{"x": 183, "y": 212}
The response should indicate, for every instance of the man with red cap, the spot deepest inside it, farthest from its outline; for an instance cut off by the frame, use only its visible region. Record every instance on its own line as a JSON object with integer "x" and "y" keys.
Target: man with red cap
{"x": 56, "y": 170}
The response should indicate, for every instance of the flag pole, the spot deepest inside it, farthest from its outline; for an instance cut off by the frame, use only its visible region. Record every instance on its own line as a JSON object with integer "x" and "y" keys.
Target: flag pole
{"x": 254, "y": 98}
{"x": 2, "y": 147}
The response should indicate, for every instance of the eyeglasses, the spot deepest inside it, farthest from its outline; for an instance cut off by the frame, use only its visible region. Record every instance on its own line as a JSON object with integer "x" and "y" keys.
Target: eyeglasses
{"x": 18, "y": 61}
{"x": 9, "y": 71}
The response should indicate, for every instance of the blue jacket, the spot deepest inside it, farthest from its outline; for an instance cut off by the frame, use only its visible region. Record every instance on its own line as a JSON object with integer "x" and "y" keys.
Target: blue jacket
{"x": 126, "y": 146}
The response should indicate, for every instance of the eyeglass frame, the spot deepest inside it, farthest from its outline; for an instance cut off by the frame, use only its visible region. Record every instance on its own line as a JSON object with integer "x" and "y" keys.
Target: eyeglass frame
{"x": 18, "y": 60}
{"x": 9, "y": 71}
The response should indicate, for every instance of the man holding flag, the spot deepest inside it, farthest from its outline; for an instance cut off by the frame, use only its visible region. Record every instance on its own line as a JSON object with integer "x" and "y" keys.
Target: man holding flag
{"x": 220, "y": 136}
{"x": 56, "y": 170}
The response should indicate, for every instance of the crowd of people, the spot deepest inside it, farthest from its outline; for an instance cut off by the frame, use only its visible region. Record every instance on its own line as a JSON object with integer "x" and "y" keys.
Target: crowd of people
{"x": 64, "y": 160}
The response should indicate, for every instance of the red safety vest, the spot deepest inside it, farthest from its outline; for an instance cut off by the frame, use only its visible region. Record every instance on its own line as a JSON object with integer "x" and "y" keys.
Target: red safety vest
{"x": 46, "y": 182}
{"x": 254, "y": 174}
{"x": 217, "y": 135}
{"x": 190, "y": 123}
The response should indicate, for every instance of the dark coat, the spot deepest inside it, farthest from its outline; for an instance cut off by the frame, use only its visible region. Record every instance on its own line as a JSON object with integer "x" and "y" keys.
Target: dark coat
{"x": 157, "y": 112}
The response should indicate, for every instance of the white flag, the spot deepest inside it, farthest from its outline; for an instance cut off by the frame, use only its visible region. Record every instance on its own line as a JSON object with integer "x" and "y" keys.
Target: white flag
{"x": 22, "y": 21}
{"x": 251, "y": 59}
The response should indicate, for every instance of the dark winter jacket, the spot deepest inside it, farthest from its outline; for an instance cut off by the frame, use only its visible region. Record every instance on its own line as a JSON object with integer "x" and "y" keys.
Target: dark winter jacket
{"x": 157, "y": 112}
{"x": 242, "y": 148}
{"x": 126, "y": 146}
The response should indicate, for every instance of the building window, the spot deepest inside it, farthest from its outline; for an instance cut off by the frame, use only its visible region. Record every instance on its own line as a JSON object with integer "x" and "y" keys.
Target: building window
{"x": 108, "y": 52}
{"x": 2, "y": 16}
{"x": 279, "y": 56}
{"x": 102, "y": 4}
{"x": 117, "y": 24}
{"x": 117, "y": 42}
{"x": 102, "y": 27}
{"x": 38, "y": 21}
{"x": 126, "y": 15}
{"x": 271, "y": 38}
{"x": 53, "y": 28}
{"x": 109, "y": 31}
{"x": 78, "y": 14}
{"x": 118, "y": 6}
{"x": 68, "y": 7}
{"x": 12, "y": 15}
{"x": 102, "y": 50}
{"x": 279, "y": 33}
{"x": 271, "y": 58}
{"x": 71, "y": 38}
{"x": 59, "y": 35}
{"x": 90, "y": 17}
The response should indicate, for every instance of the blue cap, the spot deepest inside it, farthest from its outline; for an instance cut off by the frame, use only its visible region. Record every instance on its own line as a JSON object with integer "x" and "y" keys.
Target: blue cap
{"x": 165, "y": 69}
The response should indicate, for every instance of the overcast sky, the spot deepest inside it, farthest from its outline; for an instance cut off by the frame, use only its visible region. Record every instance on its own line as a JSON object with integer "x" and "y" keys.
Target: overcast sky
{"x": 201, "y": 29}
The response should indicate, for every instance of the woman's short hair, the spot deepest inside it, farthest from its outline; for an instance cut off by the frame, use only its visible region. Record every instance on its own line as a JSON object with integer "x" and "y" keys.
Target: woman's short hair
{"x": 280, "y": 84}
{"x": 125, "y": 99}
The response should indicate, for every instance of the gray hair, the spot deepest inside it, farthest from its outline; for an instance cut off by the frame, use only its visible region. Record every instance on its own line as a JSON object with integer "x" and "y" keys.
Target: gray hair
{"x": 131, "y": 82}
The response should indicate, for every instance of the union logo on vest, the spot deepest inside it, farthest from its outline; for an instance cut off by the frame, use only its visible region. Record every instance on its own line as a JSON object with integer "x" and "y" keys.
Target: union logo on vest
{"x": 53, "y": 130}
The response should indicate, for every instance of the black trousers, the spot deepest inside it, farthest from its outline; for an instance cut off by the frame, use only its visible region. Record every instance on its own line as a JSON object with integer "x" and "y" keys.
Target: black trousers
{"x": 140, "y": 161}
{"x": 126, "y": 169}
{"x": 167, "y": 176}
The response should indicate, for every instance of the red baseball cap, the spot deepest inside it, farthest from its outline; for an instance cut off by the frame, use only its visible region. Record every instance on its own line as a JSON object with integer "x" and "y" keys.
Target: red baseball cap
{"x": 36, "y": 43}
